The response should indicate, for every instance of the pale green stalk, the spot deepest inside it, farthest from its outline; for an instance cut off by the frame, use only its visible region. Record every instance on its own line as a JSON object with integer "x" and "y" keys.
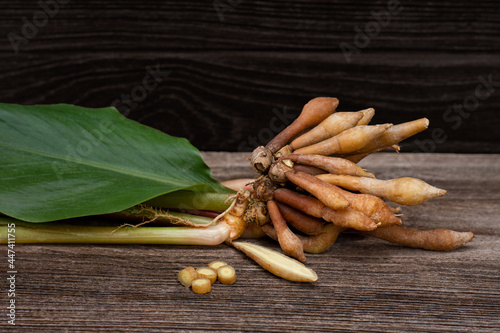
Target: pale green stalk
{"x": 150, "y": 214}
{"x": 198, "y": 220}
{"x": 57, "y": 232}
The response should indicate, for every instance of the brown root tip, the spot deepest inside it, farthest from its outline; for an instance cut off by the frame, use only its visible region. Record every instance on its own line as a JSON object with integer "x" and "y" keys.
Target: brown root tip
{"x": 277, "y": 171}
{"x": 462, "y": 238}
{"x": 301, "y": 256}
{"x": 395, "y": 210}
{"x": 289, "y": 242}
{"x": 450, "y": 240}
{"x": 426, "y": 122}
{"x": 397, "y": 148}
{"x": 369, "y": 174}
{"x": 261, "y": 159}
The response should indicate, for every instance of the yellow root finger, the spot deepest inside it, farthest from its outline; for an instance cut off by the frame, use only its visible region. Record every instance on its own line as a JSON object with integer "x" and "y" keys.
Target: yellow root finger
{"x": 328, "y": 194}
{"x": 395, "y": 134}
{"x": 435, "y": 240}
{"x": 331, "y": 126}
{"x": 346, "y": 142}
{"x": 367, "y": 116}
{"x": 314, "y": 112}
{"x": 334, "y": 165}
{"x": 404, "y": 191}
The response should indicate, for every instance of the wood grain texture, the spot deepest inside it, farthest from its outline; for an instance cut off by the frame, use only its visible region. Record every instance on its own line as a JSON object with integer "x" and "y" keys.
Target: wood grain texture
{"x": 364, "y": 284}
{"x": 250, "y": 25}
{"x": 227, "y": 79}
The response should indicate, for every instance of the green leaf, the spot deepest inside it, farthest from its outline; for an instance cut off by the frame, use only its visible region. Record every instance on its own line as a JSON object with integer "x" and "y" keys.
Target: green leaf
{"x": 62, "y": 161}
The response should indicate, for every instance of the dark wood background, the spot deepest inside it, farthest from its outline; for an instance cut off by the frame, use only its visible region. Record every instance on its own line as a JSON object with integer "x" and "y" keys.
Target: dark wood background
{"x": 227, "y": 73}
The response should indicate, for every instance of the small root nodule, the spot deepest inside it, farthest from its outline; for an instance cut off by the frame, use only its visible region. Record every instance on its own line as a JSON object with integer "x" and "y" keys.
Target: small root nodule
{"x": 278, "y": 170}
{"x": 285, "y": 151}
{"x": 261, "y": 159}
{"x": 263, "y": 189}
{"x": 256, "y": 213}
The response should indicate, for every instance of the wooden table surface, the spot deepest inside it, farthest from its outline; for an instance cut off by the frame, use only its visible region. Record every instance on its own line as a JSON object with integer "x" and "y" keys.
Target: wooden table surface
{"x": 364, "y": 284}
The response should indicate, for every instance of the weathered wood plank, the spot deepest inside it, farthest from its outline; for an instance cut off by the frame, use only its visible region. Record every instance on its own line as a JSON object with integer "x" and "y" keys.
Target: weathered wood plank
{"x": 100, "y": 25}
{"x": 235, "y": 101}
{"x": 230, "y": 75}
{"x": 364, "y": 284}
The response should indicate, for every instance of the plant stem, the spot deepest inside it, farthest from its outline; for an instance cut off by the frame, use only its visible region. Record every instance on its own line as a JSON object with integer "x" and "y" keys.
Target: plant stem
{"x": 57, "y": 232}
{"x": 191, "y": 200}
{"x": 145, "y": 214}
